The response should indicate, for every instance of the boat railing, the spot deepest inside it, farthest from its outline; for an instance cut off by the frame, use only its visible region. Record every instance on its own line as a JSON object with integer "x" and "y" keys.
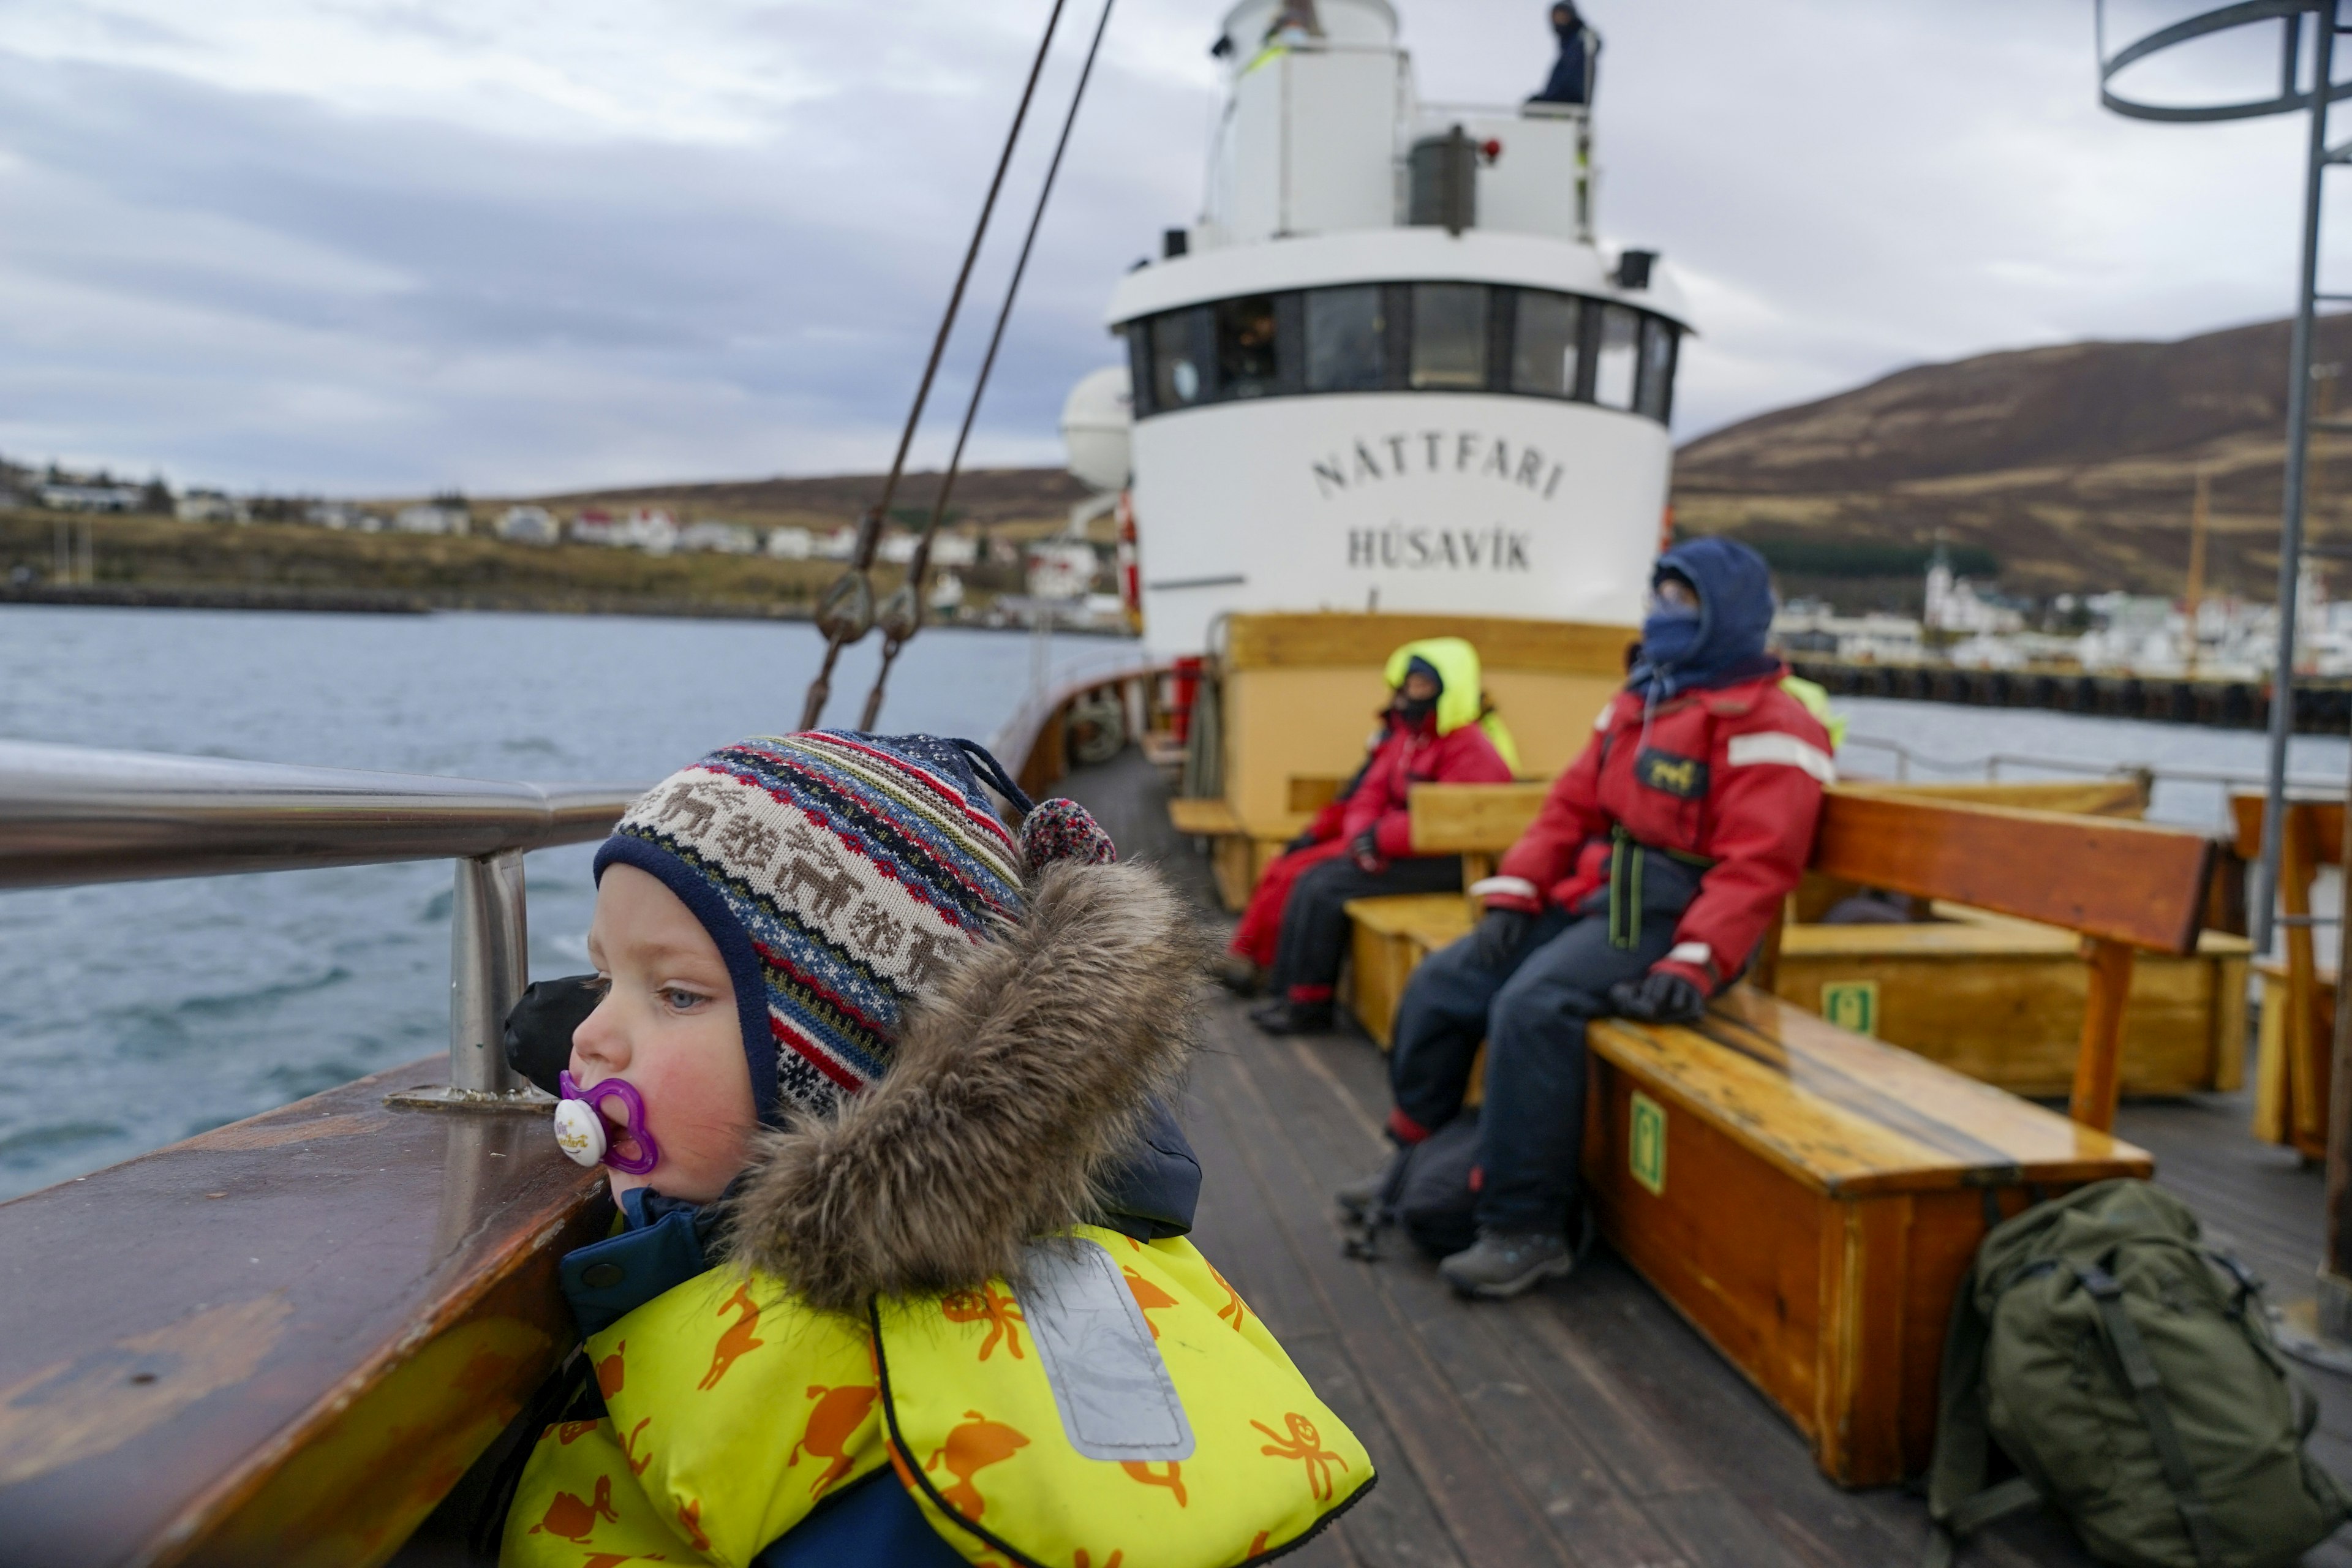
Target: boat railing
{"x": 1990, "y": 767}
{"x": 71, "y": 816}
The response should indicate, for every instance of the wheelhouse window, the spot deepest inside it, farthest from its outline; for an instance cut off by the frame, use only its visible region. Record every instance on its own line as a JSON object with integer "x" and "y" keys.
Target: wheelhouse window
{"x": 1449, "y": 336}
{"x": 1429, "y": 337}
{"x": 1617, "y": 358}
{"x": 1177, "y": 380}
{"x": 1248, "y": 365}
{"x": 1655, "y": 393}
{"x": 1546, "y": 341}
{"x": 1347, "y": 331}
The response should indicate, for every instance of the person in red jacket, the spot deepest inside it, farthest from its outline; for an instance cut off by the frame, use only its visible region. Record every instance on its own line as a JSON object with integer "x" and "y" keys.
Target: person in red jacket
{"x": 1435, "y": 735}
{"x": 1257, "y": 938}
{"x": 1642, "y": 888}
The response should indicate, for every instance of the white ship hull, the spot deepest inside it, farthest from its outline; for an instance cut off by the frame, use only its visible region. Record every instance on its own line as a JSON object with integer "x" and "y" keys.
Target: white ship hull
{"x": 1488, "y": 505}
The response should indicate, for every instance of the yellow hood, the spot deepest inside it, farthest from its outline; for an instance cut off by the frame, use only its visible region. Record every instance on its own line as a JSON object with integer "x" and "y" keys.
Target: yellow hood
{"x": 1457, "y": 663}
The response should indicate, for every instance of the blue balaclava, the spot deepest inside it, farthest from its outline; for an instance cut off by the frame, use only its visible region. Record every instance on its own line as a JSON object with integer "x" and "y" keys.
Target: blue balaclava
{"x": 1720, "y": 643}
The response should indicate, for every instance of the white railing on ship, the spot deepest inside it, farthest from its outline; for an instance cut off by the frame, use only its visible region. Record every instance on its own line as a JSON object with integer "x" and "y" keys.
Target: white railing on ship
{"x": 70, "y": 815}
{"x": 1018, "y": 734}
{"x": 1990, "y": 766}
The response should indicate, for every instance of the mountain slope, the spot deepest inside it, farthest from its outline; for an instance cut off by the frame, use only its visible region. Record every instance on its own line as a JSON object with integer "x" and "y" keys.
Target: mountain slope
{"x": 2074, "y": 465}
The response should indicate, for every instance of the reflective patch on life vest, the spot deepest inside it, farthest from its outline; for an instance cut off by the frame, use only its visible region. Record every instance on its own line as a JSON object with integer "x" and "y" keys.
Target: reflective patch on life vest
{"x": 1779, "y": 746}
{"x": 1684, "y": 778}
{"x": 1113, "y": 1391}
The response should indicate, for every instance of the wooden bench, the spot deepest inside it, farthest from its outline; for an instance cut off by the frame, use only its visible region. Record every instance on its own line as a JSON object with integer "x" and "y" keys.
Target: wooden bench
{"x": 2293, "y": 1069}
{"x": 1810, "y": 1200}
{"x": 2002, "y": 1000}
{"x": 2274, "y": 1097}
{"x": 1388, "y": 938}
{"x": 1810, "y": 1197}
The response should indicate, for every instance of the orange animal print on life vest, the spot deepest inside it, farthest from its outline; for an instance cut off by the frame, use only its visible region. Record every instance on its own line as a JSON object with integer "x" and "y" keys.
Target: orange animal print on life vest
{"x": 689, "y": 1519}
{"x": 1173, "y": 1481}
{"x": 1303, "y": 1443}
{"x": 1149, "y": 1296}
{"x": 739, "y": 1338}
{"x": 1233, "y": 1311}
{"x": 971, "y": 1448}
{"x": 1083, "y": 1561}
{"x": 629, "y": 1446}
{"x": 570, "y": 1432}
{"x": 838, "y": 1415}
{"x": 609, "y": 1371}
{"x": 572, "y": 1518}
{"x": 999, "y": 1311}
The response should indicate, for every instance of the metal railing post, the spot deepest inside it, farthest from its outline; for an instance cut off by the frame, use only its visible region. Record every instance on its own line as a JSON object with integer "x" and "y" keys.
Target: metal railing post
{"x": 490, "y": 964}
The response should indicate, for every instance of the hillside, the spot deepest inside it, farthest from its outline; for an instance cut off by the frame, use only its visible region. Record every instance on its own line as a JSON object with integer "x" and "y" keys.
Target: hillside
{"x": 2072, "y": 465}
{"x": 993, "y": 497}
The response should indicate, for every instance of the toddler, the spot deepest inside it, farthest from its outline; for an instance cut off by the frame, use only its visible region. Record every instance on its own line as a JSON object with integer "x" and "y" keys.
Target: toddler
{"x": 900, "y": 1275}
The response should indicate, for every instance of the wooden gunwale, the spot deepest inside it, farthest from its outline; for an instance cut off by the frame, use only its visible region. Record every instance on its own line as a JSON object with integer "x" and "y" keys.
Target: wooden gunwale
{"x": 282, "y": 1340}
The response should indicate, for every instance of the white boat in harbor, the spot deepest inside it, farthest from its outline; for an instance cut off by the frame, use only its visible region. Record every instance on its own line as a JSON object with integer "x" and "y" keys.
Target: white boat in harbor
{"x": 1389, "y": 367}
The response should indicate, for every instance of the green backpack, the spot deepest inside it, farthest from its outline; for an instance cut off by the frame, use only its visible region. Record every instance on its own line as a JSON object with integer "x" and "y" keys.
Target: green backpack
{"x": 2131, "y": 1376}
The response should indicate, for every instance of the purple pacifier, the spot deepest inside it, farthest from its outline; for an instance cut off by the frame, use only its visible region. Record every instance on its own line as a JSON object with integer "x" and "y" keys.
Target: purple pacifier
{"x": 580, "y": 1125}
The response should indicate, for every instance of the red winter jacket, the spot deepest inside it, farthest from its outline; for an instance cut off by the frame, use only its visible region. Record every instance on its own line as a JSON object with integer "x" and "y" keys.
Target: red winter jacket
{"x": 1734, "y": 774}
{"x": 1409, "y": 757}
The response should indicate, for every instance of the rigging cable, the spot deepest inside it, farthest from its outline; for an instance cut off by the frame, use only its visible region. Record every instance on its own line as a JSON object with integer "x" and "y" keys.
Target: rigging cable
{"x": 846, "y": 612}
{"x": 902, "y": 614}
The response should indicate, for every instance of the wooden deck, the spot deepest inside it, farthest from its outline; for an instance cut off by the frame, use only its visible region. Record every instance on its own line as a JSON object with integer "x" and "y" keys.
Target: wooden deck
{"x": 1587, "y": 1423}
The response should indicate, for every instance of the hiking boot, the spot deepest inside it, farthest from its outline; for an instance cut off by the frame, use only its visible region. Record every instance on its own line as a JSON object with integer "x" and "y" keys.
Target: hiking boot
{"x": 1294, "y": 1017}
{"x": 1505, "y": 1263}
{"x": 1236, "y": 974}
{"x": 1358, "y": 1198}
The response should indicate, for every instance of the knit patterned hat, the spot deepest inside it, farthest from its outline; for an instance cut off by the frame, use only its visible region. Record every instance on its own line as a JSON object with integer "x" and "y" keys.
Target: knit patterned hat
{"x": 838, "y": 873}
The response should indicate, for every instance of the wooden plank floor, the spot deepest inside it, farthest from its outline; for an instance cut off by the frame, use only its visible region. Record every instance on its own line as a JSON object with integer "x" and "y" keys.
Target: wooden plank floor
{"x": 1585, "y": 1423}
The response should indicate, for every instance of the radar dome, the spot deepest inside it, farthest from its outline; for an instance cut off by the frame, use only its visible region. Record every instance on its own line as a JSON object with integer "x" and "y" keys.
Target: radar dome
{"x": 1094, "y": 424}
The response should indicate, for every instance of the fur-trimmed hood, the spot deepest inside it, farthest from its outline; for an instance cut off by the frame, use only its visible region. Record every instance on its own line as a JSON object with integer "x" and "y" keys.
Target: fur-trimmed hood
{"x": 1022, "y": 1077}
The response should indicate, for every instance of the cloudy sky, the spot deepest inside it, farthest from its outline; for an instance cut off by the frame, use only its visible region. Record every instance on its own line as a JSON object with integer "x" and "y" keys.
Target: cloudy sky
{"x": 367, "y": 247}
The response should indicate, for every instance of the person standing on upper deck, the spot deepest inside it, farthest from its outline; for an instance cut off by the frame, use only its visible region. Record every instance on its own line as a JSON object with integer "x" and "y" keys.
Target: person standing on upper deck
{"x": 1437, "y": 731}
{"x": 1578, "y": 70}
{"x": 1642, "y": 888}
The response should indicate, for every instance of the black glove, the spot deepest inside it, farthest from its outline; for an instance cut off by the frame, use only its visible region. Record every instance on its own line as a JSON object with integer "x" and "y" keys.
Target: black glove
{"x": 1365, "y": 850}
{"x": 1661, "y": 996}
{"x": 1305, "y": 840}
{"x": 1498, "y": 936}
{"x": 539, "y": 1026}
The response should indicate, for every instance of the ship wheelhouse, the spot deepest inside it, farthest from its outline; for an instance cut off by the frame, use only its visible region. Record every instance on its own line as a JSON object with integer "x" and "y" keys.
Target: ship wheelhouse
{"x": 1388, "y": 368}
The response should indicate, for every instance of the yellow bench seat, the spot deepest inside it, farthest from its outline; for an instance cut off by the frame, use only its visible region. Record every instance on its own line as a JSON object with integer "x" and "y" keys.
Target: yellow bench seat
{"x": 1809, "y": 1199}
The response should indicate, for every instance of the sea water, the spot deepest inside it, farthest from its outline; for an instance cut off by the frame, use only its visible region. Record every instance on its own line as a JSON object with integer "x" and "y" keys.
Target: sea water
{"x": 132, "y": 1014}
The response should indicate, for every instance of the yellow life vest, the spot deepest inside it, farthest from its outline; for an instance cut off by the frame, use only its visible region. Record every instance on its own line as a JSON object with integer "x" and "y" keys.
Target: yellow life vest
{"x": 1125, "y": 1406}
{"x": 1816, "y": 700}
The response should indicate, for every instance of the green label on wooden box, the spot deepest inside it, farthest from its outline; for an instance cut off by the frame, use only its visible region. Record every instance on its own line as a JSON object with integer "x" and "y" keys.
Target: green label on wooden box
{"x": 1851, "y": 1004}
{"x": 1648, "y": 1157}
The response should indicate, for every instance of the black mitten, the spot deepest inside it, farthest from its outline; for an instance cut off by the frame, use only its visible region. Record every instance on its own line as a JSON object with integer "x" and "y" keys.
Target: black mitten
{"x": 1661, "y": 996}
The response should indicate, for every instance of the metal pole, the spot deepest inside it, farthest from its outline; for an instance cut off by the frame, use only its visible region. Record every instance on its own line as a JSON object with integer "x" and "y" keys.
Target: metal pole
{"x": 490, "y": 964}
{"x": 2298, "y": 443}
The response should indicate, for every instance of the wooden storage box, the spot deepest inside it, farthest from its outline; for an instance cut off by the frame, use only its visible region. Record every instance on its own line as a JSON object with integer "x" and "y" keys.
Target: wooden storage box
{"x": 2001, "y": 1000}
{"x": 1810, "y": 1200}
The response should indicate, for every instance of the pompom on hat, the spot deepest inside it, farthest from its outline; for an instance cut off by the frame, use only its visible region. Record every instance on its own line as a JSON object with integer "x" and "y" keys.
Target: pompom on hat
{"x": 839, "y": 874}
